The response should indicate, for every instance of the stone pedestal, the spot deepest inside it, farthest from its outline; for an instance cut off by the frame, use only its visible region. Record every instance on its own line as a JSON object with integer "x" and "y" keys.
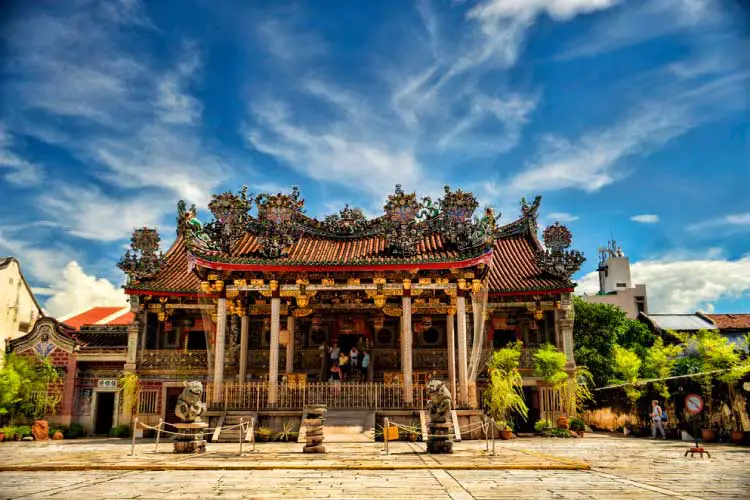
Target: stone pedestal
{"x": 440, "y": 439}
{"x": 314, "y": 429}
{"x": 189, "y": 438}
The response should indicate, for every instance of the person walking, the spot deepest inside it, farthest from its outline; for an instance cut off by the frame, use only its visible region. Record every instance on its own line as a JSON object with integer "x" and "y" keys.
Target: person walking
{"x": 656, "y": 420}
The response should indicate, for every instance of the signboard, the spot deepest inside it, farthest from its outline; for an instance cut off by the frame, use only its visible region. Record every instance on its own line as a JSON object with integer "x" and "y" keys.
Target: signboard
{"x": 110, "y": 383}
{"x": 693, "y": 403}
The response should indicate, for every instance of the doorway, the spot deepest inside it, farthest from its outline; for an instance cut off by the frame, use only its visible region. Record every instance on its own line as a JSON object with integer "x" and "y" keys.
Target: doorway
{"x": 173, "y": 393}
{"x": 105, "y": 409}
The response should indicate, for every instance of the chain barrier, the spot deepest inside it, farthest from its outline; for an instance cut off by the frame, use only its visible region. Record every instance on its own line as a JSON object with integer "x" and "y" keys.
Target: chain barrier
{"x": 159, "y": 428}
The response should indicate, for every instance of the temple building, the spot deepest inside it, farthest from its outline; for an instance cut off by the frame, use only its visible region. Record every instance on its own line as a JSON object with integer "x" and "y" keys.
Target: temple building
{"x": 253, "y": 305}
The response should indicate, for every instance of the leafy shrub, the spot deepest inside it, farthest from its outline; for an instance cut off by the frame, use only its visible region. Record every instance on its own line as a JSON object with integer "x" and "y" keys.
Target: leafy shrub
{"x": 560, "y": 433}
{"x": 52, "y": 431}
{"x": 542, "y": 425}
{"x": 120, "y": 431}
{"x": 73, "y": 431}
{"x": 577, "y": 424}
{"x": 23, "y": 430}
{"x": 9, "y": 432}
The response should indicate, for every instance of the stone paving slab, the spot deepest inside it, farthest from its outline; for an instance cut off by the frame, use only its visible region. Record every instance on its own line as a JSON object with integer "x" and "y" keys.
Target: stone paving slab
{"x": 620, "y": 469}
{"x": 96, "y": 455}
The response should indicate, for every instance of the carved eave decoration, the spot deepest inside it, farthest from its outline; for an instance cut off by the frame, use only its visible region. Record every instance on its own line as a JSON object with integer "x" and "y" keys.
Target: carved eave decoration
{"x": 47, "y": 336}
{"x": 277, "y": 226}
{"x": 143, "y": 259}
{"x": 556, "y": 259}
{"x": 192, "y": 230}
{"x": 231, "y": 218}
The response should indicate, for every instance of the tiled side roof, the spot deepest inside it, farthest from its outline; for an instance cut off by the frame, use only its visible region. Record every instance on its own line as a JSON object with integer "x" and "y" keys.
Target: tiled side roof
{"x": 106, "y": 336}
{"x": 125, "y": 319}
{"x": 514, "y": 267}
{"x": 174, "y": 276}
{"x": 731, "y": 321}
{"x": 90, "y": 317}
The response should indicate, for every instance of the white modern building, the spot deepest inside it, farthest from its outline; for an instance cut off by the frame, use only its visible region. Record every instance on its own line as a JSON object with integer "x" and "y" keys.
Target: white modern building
{"x": 615, "y": 284}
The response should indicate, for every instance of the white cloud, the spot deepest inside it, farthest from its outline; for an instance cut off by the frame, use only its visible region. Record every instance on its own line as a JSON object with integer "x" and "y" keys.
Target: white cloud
{"x": 43, "y": 264}
{"x": 645, "y": 218}
{"x": 77, "y": 290}
{"x": 173, "y": 104}
{"x": 561, "y": 216}
{"x": 589, "y": 163}
{"x": 676, "y": 284}
{"x": 560, "y": 10}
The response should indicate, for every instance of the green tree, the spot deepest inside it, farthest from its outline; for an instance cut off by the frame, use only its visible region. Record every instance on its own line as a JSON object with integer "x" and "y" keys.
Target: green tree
{"x": 627, "y": 366}
{"x": 659, "y": 364}
{"x": 549, "y": 364}
{"x": 25, "y": 384}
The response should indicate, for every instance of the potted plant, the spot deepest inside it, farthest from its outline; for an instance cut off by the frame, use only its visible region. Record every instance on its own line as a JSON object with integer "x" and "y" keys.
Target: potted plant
{"x": 288, "y": 432}
{"x": 577, "y": 425}
{"x": 263, "y": 434}
{"x": 506, "y": 430}
{"x": 541, "y": 426}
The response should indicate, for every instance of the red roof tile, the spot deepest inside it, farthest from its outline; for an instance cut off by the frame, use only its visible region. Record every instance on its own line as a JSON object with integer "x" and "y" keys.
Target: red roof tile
{"x": 174, "y": 276}
{"x": 125, "y": 319}
{"x": 90, "y": 317}
{"x": 730, "y": 321}
{"x": 514, "y": 267}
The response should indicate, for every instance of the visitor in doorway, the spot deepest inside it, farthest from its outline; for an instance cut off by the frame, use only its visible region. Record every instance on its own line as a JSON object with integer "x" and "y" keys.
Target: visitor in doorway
{"x": 335, "y": 373}
{"x": 344, "y": 365}
{"x": 656, "y": 419}
{"x": 365, "y": 364}
{"x": 333, "y": 354}
{"x": 354, "y": 356}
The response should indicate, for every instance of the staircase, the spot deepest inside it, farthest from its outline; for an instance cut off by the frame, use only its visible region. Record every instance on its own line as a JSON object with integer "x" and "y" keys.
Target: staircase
{"x": 347, "y": 426}
{"x": 226, "y": 432}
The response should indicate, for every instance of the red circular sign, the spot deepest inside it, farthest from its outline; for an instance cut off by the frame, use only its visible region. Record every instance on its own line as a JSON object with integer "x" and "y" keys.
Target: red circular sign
{"x": 693, "y": 403}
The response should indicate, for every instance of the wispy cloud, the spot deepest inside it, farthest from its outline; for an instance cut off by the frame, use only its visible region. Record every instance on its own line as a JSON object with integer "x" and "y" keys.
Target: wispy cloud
{"x": 19, "y": 171}
{"x": 645, "y": 218}
{"x": 589, "y": 162}
{"x": 561, "y": 217}
{"x": 737, "y": 221}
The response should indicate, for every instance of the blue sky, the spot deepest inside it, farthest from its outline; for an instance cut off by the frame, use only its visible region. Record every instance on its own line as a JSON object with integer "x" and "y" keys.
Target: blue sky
{"x": 631, "y": 118}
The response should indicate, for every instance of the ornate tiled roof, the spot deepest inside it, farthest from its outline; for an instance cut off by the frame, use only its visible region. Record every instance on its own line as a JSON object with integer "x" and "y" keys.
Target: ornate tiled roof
{"x": 412, "y": 234}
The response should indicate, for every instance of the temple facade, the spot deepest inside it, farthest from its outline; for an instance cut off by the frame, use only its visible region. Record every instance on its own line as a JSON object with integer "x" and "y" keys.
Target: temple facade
{"x": 255, "y": 301}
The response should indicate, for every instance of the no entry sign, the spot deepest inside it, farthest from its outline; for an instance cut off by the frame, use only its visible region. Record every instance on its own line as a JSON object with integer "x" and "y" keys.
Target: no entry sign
{"x": 693, "y": 403}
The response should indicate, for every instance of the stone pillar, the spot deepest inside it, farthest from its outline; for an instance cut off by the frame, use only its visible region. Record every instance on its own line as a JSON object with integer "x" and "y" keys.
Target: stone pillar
{"x": 133, "y": 329}
{"x": 273, "y": 357}
{"x": 69, "y": 387}
{"x": 463, "y": 366}
{"x": 144, "y": 334}
{"x": 450, "y": 324}
{"x": 244, "y": 330}
{"x": 406, "y": 347}
{"x": 221, "y": 333}
{"x": 566, "y": 315}
{"x": 290, "y": 345}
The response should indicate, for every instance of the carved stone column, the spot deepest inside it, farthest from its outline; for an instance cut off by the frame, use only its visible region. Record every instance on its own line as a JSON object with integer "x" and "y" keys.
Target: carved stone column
{"x": 221, "y": 333}
{"x": 144, "y": 334}
{"x": 450, "y": 323}
{"x": 273, "y": 359}
{"x": 290, "y": 345}
{"x": 566, "y": 316}
{"x": 244, "y": 330}
{"x": 406, "y": 346}
{"x": 463, "y": 379}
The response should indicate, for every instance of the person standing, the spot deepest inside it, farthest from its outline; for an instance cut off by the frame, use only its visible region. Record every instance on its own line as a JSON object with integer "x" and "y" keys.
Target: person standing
{"x": 365, "y": 364}
{"x": 354, "y": 360}
{"x": 656, "y": 420}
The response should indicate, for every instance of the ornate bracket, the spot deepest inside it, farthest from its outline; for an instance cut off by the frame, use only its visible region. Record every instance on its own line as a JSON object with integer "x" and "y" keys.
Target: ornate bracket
{"x": 557, "y": 259}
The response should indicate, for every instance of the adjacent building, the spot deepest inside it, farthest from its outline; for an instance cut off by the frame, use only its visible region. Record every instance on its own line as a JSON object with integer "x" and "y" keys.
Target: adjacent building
{"x": 615, "y": 284}
{"x": 19, "y": 309}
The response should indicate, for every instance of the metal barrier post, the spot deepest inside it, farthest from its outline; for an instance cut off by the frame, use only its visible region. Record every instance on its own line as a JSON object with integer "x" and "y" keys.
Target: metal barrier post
{"x": 493, "y": 437}
{"x": 132, "y": 446}
{"x": 242, "y": 432}
{"x": 252, "y": 423}
{"x": 386, "y": 428}
{"x": 158, "y": 435}
{"x": 486, "y": 429}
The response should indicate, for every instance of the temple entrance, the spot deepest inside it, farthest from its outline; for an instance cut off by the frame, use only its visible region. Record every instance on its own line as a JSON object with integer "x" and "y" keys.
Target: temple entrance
{"x": 173, "y": 393}
{"x": 346, "y": 342}
{"x": 105, "y": 408}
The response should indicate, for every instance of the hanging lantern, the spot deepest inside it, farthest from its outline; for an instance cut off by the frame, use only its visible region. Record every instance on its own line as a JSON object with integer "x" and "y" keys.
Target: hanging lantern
{"x": 426, "y": 322}
{"x": 302, "y": 301}
{"x": 476, "y": 286}
{"x": 538, "y": 314}
{"x": 284, "y": 337}
{"x": 380, "y": 301}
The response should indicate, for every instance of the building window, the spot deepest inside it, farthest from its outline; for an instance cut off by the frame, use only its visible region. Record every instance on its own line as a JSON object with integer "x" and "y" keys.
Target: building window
{"x": 622, "y": 285}
{"x": 640, "y": 304}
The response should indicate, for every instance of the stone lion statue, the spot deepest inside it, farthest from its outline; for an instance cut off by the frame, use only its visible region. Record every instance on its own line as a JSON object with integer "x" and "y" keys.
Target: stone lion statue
{"x": 440, "y": 401}
{"x": 189, "y": 406}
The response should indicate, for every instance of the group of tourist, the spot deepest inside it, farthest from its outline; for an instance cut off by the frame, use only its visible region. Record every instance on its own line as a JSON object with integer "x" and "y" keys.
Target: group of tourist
{"x": 347, "y": 366}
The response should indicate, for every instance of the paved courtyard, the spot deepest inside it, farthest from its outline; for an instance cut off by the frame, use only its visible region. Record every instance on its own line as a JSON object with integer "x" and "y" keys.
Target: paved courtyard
{"x": 598, "y": 466}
